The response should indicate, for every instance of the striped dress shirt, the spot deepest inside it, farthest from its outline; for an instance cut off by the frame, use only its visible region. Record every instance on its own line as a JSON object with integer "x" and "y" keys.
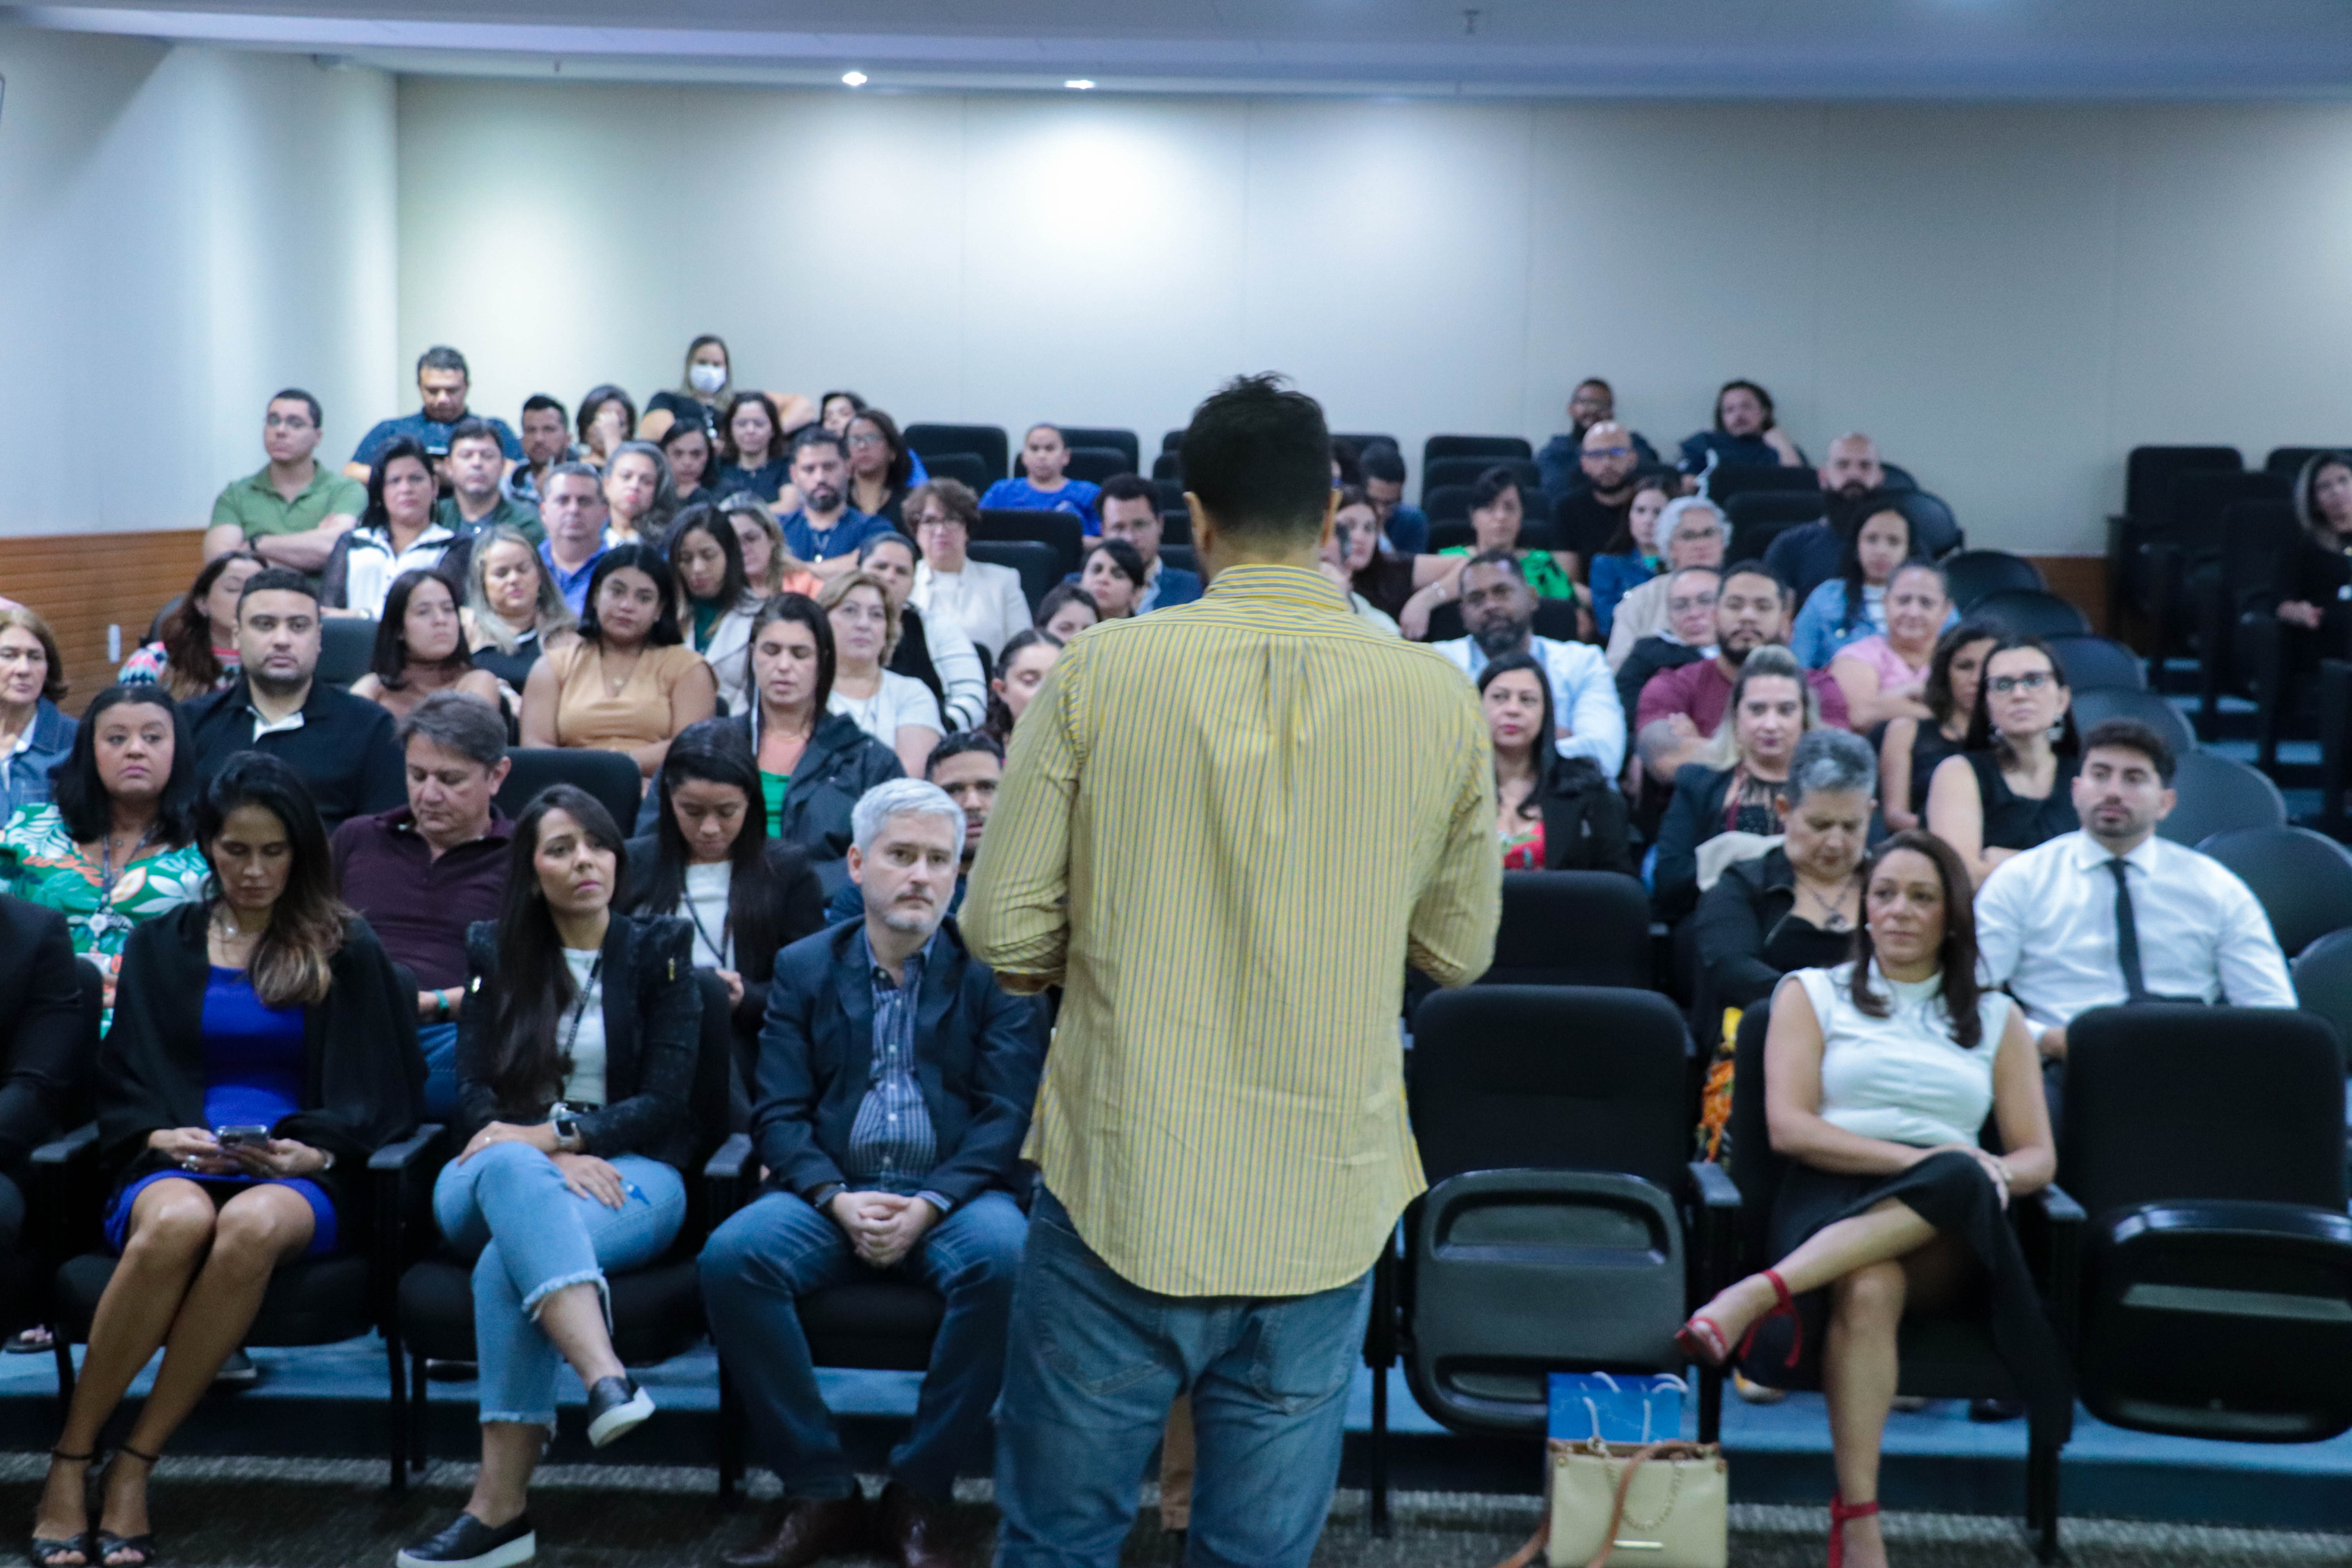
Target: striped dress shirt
{"x": 1224, "y": 828}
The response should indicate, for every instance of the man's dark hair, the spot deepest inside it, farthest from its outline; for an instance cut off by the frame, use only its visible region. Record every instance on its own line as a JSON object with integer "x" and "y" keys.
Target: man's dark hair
{"x": 1502, "y": 559}
{"x": 474, "y": 427}
{"x": 874, "y": 541}
{"x": 1739, "y": 384}
{"x": 2131, "y": 735}
{"x": 1129, "y": 487}
{"x": 1488, "y": 487}
{"x": 1382, "y": 462}
{"x": 296, "y": 395}
{"x": 1751, "y": 567}
{"x": 441, "y": 356}
{"x": 457, "y": 721}
{"x": 572, "y": 470}
{"x": 1259, "y": 457}
{"x": 1595, "y": 381}
{"x": 539, "y": 400}
{"x": 818, "y": 436}
{"x": 957, "y": 744}
{"x": 275, "y": 580}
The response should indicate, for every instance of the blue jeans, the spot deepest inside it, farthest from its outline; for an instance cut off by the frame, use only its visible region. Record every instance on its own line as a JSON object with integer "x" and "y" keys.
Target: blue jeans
{"x": 1095, "y": 1361}
{"x": 535, "y": 1236}
{"x": 439, "y": 1043}
{"x": 777, "y": 1249}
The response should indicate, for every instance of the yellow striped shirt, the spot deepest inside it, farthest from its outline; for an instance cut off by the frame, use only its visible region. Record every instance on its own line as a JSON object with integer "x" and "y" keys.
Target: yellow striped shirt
{"x": 1223, "y": 829}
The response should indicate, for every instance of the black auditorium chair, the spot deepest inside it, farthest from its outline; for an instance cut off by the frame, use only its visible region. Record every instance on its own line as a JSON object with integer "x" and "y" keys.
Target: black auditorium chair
{"x": 2182, "y": 558}
{"x": 1751, "y": 510}
{"x": 611, "y": 776}
{"x": 2288, "y": 461}
{"x": 1062, "y": 529}
{"x": 2148, "y": 473}
{"x": 1123, "y": 442}
{"x": 2241, "y": 647}
{"x": 2303, "y": 879}
{"x": 2322, "y": 982}
{"x": 2218, "y": 794}
{"x": 1491, "y": 447}
{"x": 1572, "y": 928}
{"x": 1974, "y": 573}
{"x": 1359, "y": 439}
{"x": 1564, "y": 1229}
{"x": 2217, "y": 1278}
{"x": 2029, "y": 612}
{"x": 1445, "y": 504}
{"x": 1729, "y": 479}
{"x": 1179, "y": 557}
{"x": 1935, "y": 532}
{"x": 1175, "y": 524}
{"x": 1468, "y": 471}
{"x": 1941, "y": 1357}
{"x": 655, "y": 1309}
{"x": 2094, "y": 705}
{"x": 1040, "y": 564}
{"x": 986, "y": 442}
{"x": 27, "y": 1274}
{"x": 346, "y": 644}
{"x": 2089, "y": 662}
{"x": 967, "y": 469}
{"x": 1894, "y": 477}
{"x": 1095, "y": 464}
{"x": 1168, "y": 469}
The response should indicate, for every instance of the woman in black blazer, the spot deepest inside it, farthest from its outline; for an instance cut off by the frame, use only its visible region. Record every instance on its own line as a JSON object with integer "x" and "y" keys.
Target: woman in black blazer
{"x": 269, "y": 1012}
{"x": 1551, "y": 812}
{"x": 575, "y": 1067}
{"x": 42, "y": 1066}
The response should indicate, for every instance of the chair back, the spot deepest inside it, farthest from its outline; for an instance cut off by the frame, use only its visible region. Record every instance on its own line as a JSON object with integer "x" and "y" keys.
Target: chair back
{"x": 2095, "y": 705}
{"x": 1061, "y": 530}
{"x": 1572, "y": 928}
{"x": 1039, "y": 564}
{"x": 2288, "y": 461}
{"x": 1107, "y": 438}
{"x": 611, "y": 776}
{"x": 1488, "y": 446}
{"x": 1095, "y": 464}
{"x": 1974, "y": 573}
{"x": 1895, "y": 477}
{"x": 1445, "y": 504}
{"x": 2303, "y": 879}
{"x": 2030, "y": 612}
{"x": 1467, "y": 470}
{"x": 2200, "y": 497}
{"x": 1934, "y": 531}
{"x": 967, "y": 469}
{"x": 1751, "y": 510}
{"x": 1359, "y": 440}
{"x": 2094, "y": 662}
{"x": 2322, "y": 983}
{"x": 346, "y": 646}
{"x": 1756, "y": 1170}
{"x": 2258, "y": 539}
{"x": 2218, "y": 794}
{"x": 2149, "y": 474}
{"x": 986, "y": 442}
{"x": 1728, "y": 479}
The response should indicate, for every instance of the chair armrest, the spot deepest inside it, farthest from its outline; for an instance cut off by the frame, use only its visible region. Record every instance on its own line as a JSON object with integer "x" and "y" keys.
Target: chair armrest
{"x": 2051, "y": 1225}
{"x": 392, "y": 1171}
{"x": 1715, "y": 1221}
{"x": 63, "y": 1203}
{"x": 75, "y": 1147}
{"x": 404, "y": 1154}
{"x": 727, "y": 1175}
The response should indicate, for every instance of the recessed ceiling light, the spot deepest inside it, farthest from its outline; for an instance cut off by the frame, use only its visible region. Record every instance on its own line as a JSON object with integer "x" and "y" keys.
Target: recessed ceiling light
{"x": 853, "y": 79}
{"x": 1080, "y": 84}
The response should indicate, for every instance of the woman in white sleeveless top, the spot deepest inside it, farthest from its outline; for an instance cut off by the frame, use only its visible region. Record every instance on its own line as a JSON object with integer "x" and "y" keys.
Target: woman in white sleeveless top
{"x": 1879, "y": 1076}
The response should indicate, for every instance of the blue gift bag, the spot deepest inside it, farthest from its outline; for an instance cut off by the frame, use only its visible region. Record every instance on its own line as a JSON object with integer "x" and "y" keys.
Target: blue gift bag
{"x": 1616, "y": 1407}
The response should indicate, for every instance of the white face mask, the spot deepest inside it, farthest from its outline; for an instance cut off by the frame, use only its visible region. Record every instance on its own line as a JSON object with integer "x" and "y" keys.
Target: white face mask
{"x": 706, "y": 378}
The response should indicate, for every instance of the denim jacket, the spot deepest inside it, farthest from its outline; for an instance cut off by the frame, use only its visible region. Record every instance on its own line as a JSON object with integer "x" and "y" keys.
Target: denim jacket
{"x": 25, "y": 775}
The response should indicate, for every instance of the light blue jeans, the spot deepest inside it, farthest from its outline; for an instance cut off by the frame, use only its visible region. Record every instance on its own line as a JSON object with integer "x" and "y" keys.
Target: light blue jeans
{"x": 535, "y": 1236}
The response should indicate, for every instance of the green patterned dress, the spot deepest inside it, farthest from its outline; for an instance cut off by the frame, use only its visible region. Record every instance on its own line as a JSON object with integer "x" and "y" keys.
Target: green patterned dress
{"x": 39, "y": 864}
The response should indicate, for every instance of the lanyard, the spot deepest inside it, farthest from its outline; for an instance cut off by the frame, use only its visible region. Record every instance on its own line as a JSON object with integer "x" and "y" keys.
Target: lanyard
{"x": 725, "y": 931}
{"x": 104, "y": 920}
{"x": 580, "y": 1005}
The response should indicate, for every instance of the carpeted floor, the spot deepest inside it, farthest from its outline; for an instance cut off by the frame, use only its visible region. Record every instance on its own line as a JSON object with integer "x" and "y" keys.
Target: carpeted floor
{"x": 271, "y": 1513}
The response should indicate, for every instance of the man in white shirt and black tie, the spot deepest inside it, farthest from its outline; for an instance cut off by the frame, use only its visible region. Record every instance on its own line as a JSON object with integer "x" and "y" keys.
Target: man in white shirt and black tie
{"x": 2112, "y": 914}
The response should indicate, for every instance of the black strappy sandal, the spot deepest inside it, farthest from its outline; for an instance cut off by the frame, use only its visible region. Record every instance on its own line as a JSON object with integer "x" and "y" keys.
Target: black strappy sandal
{"x": 43, "y": 1549}
{"x": 109, "y": 1543}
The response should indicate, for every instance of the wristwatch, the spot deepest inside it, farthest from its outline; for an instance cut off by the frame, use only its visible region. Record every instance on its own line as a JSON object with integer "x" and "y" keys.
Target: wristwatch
{"x": 567, "y": 1133}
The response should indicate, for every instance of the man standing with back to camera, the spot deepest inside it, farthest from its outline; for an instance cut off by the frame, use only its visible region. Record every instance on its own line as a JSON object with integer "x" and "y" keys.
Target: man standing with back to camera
{"x": 1225, "y": 829}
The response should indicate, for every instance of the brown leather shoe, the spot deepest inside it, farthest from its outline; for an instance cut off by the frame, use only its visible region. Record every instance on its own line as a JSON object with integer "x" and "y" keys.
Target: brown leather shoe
{"x": 921, "y": 1534}
{"x": 809, "y": 1531}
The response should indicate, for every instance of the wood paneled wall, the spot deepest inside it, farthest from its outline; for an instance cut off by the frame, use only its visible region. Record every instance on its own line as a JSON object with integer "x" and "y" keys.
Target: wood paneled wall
{"x": 82, "y": 583}
{"x": 2081, "y": 581}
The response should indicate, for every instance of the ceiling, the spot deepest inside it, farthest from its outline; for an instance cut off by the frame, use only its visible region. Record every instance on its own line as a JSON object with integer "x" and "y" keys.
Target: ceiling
{"x": 1957, "y": 49}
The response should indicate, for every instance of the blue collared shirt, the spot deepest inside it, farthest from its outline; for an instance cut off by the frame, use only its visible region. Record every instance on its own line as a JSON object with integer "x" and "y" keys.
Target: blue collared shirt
{"x": 850, "y": 531}
{"x": 573, "y": 585}
{"x": 432, "y": 433}
{"x": 892, "y": 1146}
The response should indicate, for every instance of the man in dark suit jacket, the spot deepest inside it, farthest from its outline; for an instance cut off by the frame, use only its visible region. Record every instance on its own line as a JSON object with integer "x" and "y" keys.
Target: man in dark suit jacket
{"x": 46, "y": 1046}
{"x": 896, "y": 1081}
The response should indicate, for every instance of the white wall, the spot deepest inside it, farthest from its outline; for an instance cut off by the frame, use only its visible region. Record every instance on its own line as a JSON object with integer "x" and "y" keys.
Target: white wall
{"x": 2008, "y": 297}
{"x": 182, "y": 231}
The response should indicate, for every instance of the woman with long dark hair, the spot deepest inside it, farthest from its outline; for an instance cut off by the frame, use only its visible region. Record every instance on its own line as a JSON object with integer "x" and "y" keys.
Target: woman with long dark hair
{"x": 420, "y": 648}
{"x": 1020, "y": 669}
{"x": 575, "y": 1070}
{"x": 395, "y": 534}
{"x": 693, "y": 458}
{"x": 607, "y": 418}
{"x": 261, "y": 1051}
{"x": 881, "y": 469}
{"x": 2012, "y": 787}
{"x": 197, "y": 650}
{"x": 2310, "y": 593}
{"x": 716, "y": 602}
{"x": 629, "y": 683}
{"x": 1633, "y": 555}
{"x": 814, "y": 763}
{"x": 1852, "y": 605}
{"x": 1879, "y": 1074}
{"x": 753, "y": 453}
{"x": 1551, "y": 812}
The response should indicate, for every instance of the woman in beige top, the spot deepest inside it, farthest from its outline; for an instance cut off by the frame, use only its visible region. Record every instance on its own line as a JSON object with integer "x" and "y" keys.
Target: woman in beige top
{"x": 629, "y": 684}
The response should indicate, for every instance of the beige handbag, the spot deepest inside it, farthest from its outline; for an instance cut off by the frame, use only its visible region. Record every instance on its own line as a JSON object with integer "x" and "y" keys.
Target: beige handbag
{"x": 1661, "y": 1505}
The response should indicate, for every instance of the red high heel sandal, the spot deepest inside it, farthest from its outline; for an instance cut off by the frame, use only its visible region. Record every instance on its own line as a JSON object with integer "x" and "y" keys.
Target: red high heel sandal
{"x": 1840, "y": 1511}
{"x": 1702, "y": 1338}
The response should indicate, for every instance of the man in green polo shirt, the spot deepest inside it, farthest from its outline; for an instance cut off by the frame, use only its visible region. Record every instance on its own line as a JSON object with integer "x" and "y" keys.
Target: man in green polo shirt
{"x": 293, "y": 511}
{"x": 476, "y": 501}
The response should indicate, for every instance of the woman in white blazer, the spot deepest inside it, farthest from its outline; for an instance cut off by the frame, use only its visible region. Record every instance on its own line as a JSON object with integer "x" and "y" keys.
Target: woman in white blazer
{"x": 985, "y": 600}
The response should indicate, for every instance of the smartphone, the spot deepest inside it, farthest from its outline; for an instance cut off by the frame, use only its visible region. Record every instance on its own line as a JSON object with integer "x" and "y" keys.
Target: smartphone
{"x": 232, "y": 1137}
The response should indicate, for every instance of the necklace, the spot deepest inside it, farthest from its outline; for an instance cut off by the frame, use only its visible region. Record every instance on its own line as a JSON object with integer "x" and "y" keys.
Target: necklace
{"x": 612, "y": 686}
{"x": 1832, "y": 917}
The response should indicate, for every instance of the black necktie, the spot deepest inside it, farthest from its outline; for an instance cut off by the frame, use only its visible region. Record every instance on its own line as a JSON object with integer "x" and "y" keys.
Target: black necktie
{"x": 2126, "y": 933}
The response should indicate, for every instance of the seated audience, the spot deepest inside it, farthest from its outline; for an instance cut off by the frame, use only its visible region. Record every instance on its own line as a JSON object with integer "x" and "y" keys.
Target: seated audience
{"x": 826, "y": 531}
{"x": 268, "y": 1006}
{"x": 197, "y": 650}
{"x": 1591, "y": 517}
{"x": 1689, "y": 635}
{"x": 1631, "y": 556}
{"x": 1910, "y": 749}
{"x": 881, "y": 469}
{"x": 115, "y": 844}
{"x": 896, "y": 709}
{"x": 546, "y": 441}
{"x": 2315, "y": 590}
{"x": 1745, "y": 434}
{"x": 985, "y": 602}
{"x": 1560, "y": 462}
{"x": 834, "y": 410}
{"x": 1039, "y": 484}
{"x": 1113, "y": 574}
{"x": 1131, "y": 512}
{"x": 35, "y": 735}
{"x": 1067, "y": 610}
{"x": 940, "y": 657}
{"x": 421, "y": 873}
{"x": 1406, "y": 528}
{"x": 572, "y": 506}
{"x": 1020, "y": 670}
{"x": 1793, "y": 907}
{"x": 693, "y": 462}
{"x": 1498, "y": 614}
{"x": 1809, "y": 556}
{"x": 477, "y": 499}
{"x": 339, "y": 745}
{"x": 629, "y": 683}
{"x": 814, "y": 763}
{"x": 1682, "y": 708}
{"x": 768, "y": 566}
{"x": 576, "y": 1069}
{"x": 697, "y": 401}
{"x": 1496, "y": 512}
{"x": 893, "y": 1149}
{"x": 513, "y": 610}
{"x": 1884, "y": 675}
{"x": 752, "y": 452}
{"x": 1852, "y": 605}
{"x": 639, "y": 498}
{"x": 442, "y": 382}
{"x": 396, "y": 533}
{"x": 1737, "y": 783}
{"x": 1552, "y": 812}
{"x": 1880, "y": 1073}
{"x": 1351, "y": 551}
{"x": 969, "y": 765}
{"x": 2012, "y": 786}
{"x": 293, "y": 510}
{"x": 711, "y": 861}
{"x": 2110, "y": 913}
{"x": 716, "y": 603}
{"x": 607, "y": 418}
{"x": 420, "y": 648}
{"x": 1691, "y": 532}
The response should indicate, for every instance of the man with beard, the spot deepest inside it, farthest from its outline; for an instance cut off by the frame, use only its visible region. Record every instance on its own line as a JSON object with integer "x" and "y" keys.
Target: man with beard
{"x": 1498, "y": 610}
{"x": 342, "y": 746}
{"x": 1809, "y": 556}
{"x": 826, "y": 531}
{"x": 1559, "y": 466}
{"x": 1680, "y": 707}
{"x": 1610, "y": 465}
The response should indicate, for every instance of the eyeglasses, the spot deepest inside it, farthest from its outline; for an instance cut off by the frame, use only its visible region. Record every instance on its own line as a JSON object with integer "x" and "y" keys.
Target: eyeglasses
{"x": 281, "y": 422}
{"x": 868, "y": 439}
{"x": 1609, "y": 451}
{"x": 1684, "y": 606}
{"x": 2005, "y": 684}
